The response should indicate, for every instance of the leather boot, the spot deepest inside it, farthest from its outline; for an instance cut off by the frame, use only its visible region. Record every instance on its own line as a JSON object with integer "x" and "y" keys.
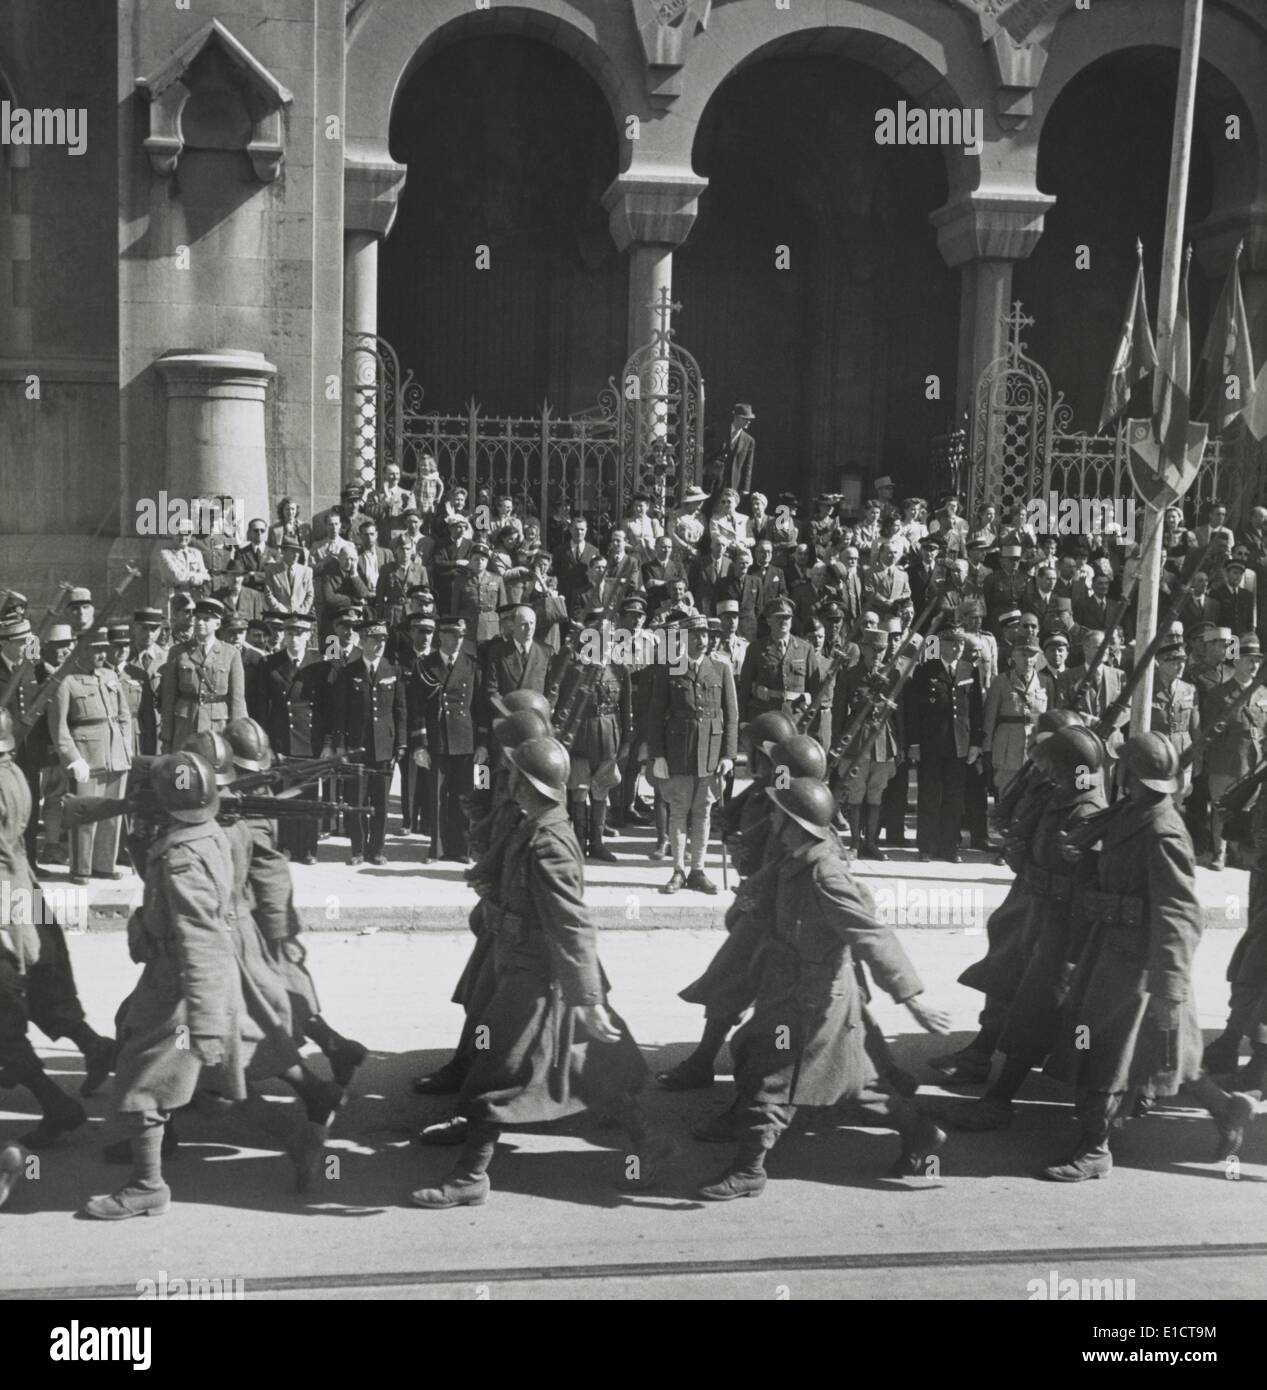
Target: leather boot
{"x": 98, "y": 1054}
{"x": 871, "y": 836}
{"x": 61, "y": 1114}
{"x": 447, "y": 1081}
{"x": 598, "y": 821}
{"x": 855, "y": 830}
{"x": 12, "y": 1169}
{"x": 344, "y": 1054}
{"x": 744, "y": 1178}
{"x": 1092, "y": 1160}
{"x": 579, "y": 811}
{"x": 467, "y": 1185}
{"x": 1230, "y": 1113}
{"x": 1222, "y": 1054}
{"x": 921, "y": 1138}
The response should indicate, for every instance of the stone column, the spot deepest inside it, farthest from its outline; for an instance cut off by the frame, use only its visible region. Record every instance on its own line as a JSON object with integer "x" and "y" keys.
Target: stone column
{"x": 649, "y": 216}
{"x": 986, "y": 233}
{"x": 215, "y": 434}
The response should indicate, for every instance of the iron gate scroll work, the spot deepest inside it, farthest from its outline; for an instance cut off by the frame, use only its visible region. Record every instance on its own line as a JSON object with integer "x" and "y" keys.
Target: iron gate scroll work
{"x": 645, "y": 433}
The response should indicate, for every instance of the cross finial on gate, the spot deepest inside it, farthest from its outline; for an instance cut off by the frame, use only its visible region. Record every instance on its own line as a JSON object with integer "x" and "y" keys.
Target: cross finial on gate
{"x": 665, "y": 308}
{"x": 1014, "y": 322}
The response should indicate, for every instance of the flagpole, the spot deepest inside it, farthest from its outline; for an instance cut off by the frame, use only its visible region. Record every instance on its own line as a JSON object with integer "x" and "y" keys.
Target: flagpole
{"x": 1167, "y": 308}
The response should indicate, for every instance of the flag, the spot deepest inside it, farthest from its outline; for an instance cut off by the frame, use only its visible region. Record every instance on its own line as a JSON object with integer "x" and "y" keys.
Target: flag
{"x": 1171, "y": 389}
{"x": 1136, "y": 356}
{"x": 1229, "y": 355}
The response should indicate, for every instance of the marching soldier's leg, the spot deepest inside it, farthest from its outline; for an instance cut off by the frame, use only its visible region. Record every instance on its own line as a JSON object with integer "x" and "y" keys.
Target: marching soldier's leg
{"x": 19, "y": 1065}
{"x": 1231, "y": 1113}
{"x": 920, "y": 1137}
{"x": 466, "y": 1185}
{"x": 55, "y": 1009}
{"x": 145, "y": 1193}
{"x": 1091, "y": 1157}
{"x": 757, "y": 1126}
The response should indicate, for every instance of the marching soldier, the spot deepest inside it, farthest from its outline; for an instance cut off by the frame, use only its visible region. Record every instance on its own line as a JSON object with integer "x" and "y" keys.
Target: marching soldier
{"x": 692, "y": 739}
{"x": 600, "y": 737}
{"x": 776, "y": 669}
{"x": 296, "y": 697}
{"x": 1130, "y": 1023}
{"x": 944, "y": 733}
{"x": 872, "y": 771}
{"x": 92, "y": 732}
{"x": 202, "y": 686}
{"x": 802, "y": 1046}
{"x": 555, "y": 1049}
{"x": 445, "y": 691}
{"x": 370, "y": 717}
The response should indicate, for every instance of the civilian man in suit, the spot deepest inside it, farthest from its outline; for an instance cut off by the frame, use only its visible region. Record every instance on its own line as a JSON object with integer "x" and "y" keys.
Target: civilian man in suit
{"x": 370, "y": 716}
{"x": 296, "y": 711}
{"x": 445, "y": 689}
{"x": 732, "y": 468}
{"x": 372, "y": 559}
{"x": 519, "y": 663}
{"x": 1093, "y": 610}
{"x": 254, "y": 557}
{"x": 944, "y": 736}
{"x": 572, "y": 561}
{"x": 288, "y": 582}
{"x": 1234, "y": 604}
{"x": 692, "y": 740}
{"x": 661, "y": 570}
{"x": 887, "y": 587}
{"x": 339, "y": 588}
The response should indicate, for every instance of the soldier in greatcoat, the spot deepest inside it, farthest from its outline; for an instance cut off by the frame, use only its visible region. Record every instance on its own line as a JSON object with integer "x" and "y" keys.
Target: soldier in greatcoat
{"x": 203, "y": 686}
{"x": 91, "y": 727}
{"x": 1129, "y": 1023}
{"x": 802, "y": 1045}
{"x": 555, "y": 1048}
{"x": 295, "y": 693}
{"x": 1074, "y": 757}
{"x": 443, "y": 735}
{"x": 692, "y": 740}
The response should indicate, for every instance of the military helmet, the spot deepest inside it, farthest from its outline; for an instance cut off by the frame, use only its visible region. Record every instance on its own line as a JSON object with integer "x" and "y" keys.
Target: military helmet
{"x": 800, "y": 756}
{"x": 520, "y": 726}
{"x": 808, "y": 802}
{"x": 7, "y": 742}
{"x": 1052, "y": 720}
{"x": 1151, "y": 759}
{"x": 215, "y": 749}
{"x": 249, "y": 744}
{"x": 545, "y": 763}
{"x": 515, "y": 700}
{"x": 185, "y": 785}
{"x": 1072, "y": 748}
{"x": 771, "y": 727}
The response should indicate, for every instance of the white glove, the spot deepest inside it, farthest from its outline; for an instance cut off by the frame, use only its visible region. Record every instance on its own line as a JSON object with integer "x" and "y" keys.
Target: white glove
{"x": 422, "y": 758}
{"x": 79, "y": 770}
{"x": 660, "y": 768}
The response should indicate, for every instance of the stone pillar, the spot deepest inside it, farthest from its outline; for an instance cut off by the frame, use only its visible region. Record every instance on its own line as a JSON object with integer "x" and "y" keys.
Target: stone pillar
{"x": 986, "y": 233}
{"x": 215, "y": 434}
{"x": 649, "y": 216}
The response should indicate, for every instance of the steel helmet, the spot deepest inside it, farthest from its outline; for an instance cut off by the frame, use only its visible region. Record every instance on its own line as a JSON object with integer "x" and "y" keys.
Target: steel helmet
{"x": 808, "y": 802}
{"x": 215, "y": 749}
{"x": 185, "y": 785}
{"x": 1072, "y": 748}
{"x": 771, "y": 727}
{"x": 7, "y": 742}
{"x": 545, "y": 763}
{"x": 1053, "y": 719}
{"x": 1151, "y": 759}
{"x": 517, "y": 728}
{"x": 516, "y": 700}
{"x": 798, "y": 756}
{"x": 249, "y": 742}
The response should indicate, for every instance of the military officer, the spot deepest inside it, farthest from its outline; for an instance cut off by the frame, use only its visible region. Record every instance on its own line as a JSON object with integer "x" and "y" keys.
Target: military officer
{"x": 1013, "y": 703}
{"x": 601, "y": 733}
{"x": 944, "y": 736}
{"x": 370, "y": 717}
{"x": 730, "y": 647}
{"x": 415, "y": 781}
{"x": 866, "y": 776}
{"x": 1238, "y": 747}
{"x": 802, "y": 1045}
{"x": 91, "y": 729}
{"x": 1129, "y": 1023}
{"x": 203, "y": 686}
{"x": 692, "y": 739}
{"x": 1175, "y": 709}
{"x": 295, "y": 690}
{"x": 475, "y": 598}
{"x": 145, "y": 665}
{"x": 19, "y": 653}
{"x": 639, "y": 664}
{"x": 444, "y": 690}
{"x": 776, "y": 669}
{"x": 1006, "y": 588}
{"x": 133, "y": 687}
{"x": 554, "y": 1047}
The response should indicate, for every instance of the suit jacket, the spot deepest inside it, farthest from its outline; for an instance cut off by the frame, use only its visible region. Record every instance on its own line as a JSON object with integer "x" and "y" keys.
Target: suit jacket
{"x": 287, "y": 591}
{"x": 573, "y": 570}
{"x": 944, "y": 712}
{"x": 886, "y": 591}
{"x": 734, "y": 463}
{"x": 505, "y": 670}
{"x": 249, "y": 603}
{"x": 385, "y": 558}
{"x": 694, "y": 718}
{"x": 442, "y": 703}
{"x": 370, "y": 714}
{"x": 338, "y": 592}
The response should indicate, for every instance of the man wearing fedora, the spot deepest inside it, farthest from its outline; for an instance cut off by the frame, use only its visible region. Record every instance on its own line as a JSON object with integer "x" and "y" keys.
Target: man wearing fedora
{"x": 203, "y": 685}
{"x": 732, "y": 468}
{"x": 288, "y": 582}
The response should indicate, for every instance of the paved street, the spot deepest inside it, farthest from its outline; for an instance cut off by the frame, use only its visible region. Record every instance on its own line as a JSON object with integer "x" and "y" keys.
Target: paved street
{"x": 829, "y": 1224}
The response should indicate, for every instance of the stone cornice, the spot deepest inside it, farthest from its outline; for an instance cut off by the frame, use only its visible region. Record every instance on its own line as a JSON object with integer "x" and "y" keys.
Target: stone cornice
{"x": 657, "y": 210}
{"x": 372, "y": 182}
{"x": 990, "y": 226}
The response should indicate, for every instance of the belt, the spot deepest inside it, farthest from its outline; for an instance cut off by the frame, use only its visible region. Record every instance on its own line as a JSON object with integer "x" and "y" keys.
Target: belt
{"x": 1058, "y": 887}
{"x": 1114, "y": 907}
{"x": 190, "y": 702}
{"x": 1013, "y": 719}
{"x": 88, "y": 723}
{"x": 767, "y": 692}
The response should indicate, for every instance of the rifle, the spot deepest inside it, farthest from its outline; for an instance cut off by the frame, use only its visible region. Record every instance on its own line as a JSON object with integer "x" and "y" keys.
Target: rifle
{"x": 288, "y": 774}
{"x": 24, "y": 667}
{"x": 85, "y": 810}
{"x": 72, "y": 665}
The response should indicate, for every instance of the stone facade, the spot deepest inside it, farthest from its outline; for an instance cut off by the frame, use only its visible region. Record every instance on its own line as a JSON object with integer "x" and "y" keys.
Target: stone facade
{"x": 238, "y": 181}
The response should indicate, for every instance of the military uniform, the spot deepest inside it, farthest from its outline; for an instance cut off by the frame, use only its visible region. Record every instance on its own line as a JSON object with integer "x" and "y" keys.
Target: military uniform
{"x": 441, "y": 705}
{"x": 91, "y": 723}
{"x": 34, "y": 751}
{"x": 770, "y": 677}
{"x": 476, "y": 599}
{"x": 866, "y": 777}
{"x": 296, "y": 712}
{"x": 202, "y": 689}
{"x": 944, "y": 719}
{"x": 147, "y": 668}
{"x": 1176, "y": 714}
{"x": 370, "y": 715}
{"x": 1012, "y": 707}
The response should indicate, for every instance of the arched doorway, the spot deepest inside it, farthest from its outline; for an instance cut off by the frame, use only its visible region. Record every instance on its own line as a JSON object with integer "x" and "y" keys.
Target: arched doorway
{"x": 834, "y": 350}
{"x": 509, "y": 146}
